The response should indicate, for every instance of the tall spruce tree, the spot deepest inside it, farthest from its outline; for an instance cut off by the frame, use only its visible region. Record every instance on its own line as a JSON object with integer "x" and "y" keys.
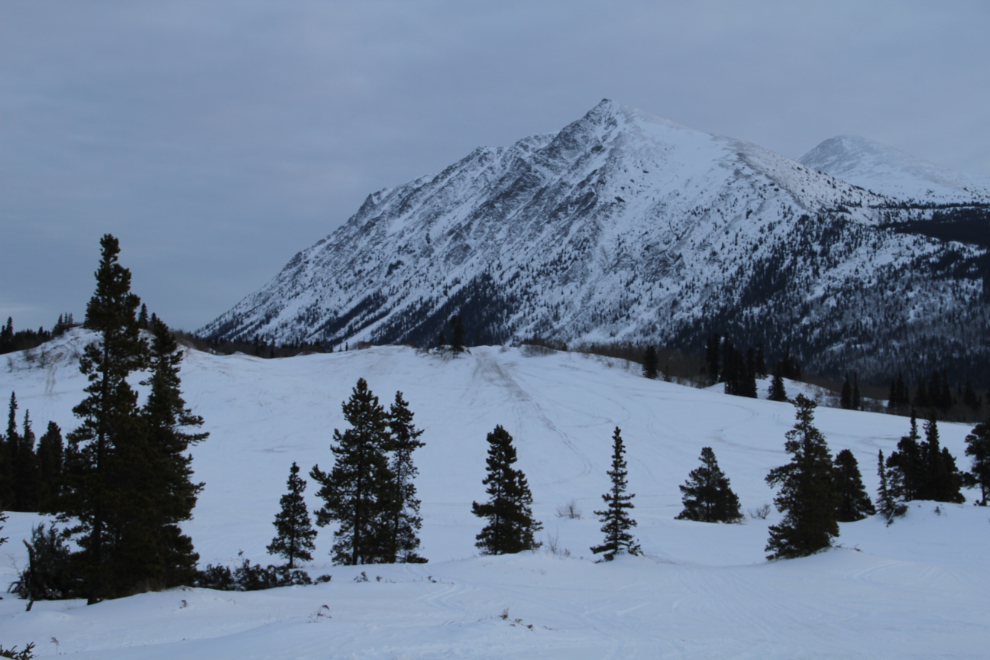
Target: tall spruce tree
{"x": 854, "y": 503}
{"x": 98, "y": 477}
{"x": 712, "y": 350}
{"x": 456, "y": 334}
{"x": 706, "y": 494}
{"x": 845, "y": 400}
{"x": 508, "y": 510}
{"x": 169, "y": 487}
{"x": 651, "y": 363}
{"x": 905, "y": 467}
{"x": 357, "y": 492}
{"x": 8, "y": 455}
{"x": 978, "y": 446}
{"x": 405, "y": 520}
{"x": 615, "y": 518}
{"x": 294, "y": 540}
{"x": 942, "y": 480}
{"x": 807, "y": 496}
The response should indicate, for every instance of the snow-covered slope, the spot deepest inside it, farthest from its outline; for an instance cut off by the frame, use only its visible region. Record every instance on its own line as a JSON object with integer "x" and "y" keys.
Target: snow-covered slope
{"x": 625, "y": 226}
{"x": 891, "y": 172}
{"x": 919, "y": 588}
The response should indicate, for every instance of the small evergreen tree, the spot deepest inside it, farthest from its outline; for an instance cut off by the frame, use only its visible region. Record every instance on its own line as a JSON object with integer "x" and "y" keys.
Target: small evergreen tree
{"x": 456, "y": 334}
{"x": 651, "y": 363}
{"x": 356, "y": 493}
{"x": 807, "y": 494}
{"x": 706, "y": 494}
{"x": 51, "y": 450}
{"x": 26, "y": 484}
{"x": 845, "y": 400}
{"x": 615, "y": 518}
{"x": 405, "y": 519}
{"x": 856, "y": 401}
{"x": 905, "y": 468}
{"x": 295, "y": 532}
{"x": 885, "y": 501}
{"x": 978, "y": 446}
{"x": 777, "y": 392}
{"x": 712, "y": 349}
{"x": 854, "y": 503}
{"x": 942, "y": 481}
{"x": 508, "y": 510}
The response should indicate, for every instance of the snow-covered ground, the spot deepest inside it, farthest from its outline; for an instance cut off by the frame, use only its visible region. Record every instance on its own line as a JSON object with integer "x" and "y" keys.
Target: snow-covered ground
{"x": 917, "y": 589}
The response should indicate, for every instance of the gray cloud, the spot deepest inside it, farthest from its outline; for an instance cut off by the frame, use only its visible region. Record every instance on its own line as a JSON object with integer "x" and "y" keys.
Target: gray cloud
{"x": 216, "y": 139}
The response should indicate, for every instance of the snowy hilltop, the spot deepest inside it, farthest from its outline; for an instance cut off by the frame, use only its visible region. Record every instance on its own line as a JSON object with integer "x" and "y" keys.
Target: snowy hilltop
{"x": 625, "y": 226}
{"x": 892, "y": 172}
{"x": 917, "y": 588}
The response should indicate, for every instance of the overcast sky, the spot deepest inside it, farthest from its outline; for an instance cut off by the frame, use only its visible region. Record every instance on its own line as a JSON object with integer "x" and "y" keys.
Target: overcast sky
{"x": 217, "y": 139}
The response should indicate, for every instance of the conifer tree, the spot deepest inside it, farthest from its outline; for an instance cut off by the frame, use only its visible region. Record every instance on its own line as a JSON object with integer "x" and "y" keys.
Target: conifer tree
{"x": 405, "y": 519}
{"x": 712, "y": 349}
{"x": 845, "y": 400}
{"x": 508, "y": 510}
{"x": 885, "y": 501}
{"x": 169, "y": 428}
{"x": 97, "y": 480}
{"x": 942, "y": 481}
{"x": 706, "y": 494}
{"x": 356, "y": 493}
{"x": 456, "y": 334}
{"x": 295, "y": 532}
{"x": 651, "y": 363}
{"x": 854, "y": 503}
{"x": 807, "y": 494}
{"x": 8, "y": 455}
{"x": 978, "y": 446}
{"x": 25, "y": 464}
{"x": 615, "y": 519}
{"x": 857, "y": 403}
{"x": 905, "y": 468}
{"x": 777, "y": 391}
{"x": 50, "y": 456}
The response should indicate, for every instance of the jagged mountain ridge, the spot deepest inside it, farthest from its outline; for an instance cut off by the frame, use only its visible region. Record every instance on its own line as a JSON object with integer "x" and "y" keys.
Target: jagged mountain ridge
{"x": 623, "y": 226}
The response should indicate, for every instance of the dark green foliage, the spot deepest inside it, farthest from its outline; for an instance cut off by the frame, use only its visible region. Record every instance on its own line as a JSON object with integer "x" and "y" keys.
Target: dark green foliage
{"x": 857, "y": 403}
{"x": 777, "y": 391}
{"x": 978, "y": 446}
{"x": 456, "y": 334}
{"x": 651, "y": 363}
{"x": 854, "y": 503}
{"x": 404, "y": 521}
{"x": 923, "y": 470}
{"x": 807, "y": 496}
{"x": 8, "y": 454}
{"x": 24, "y": 463}
{"x": 738, "y": 370}
{"x": 706, "y": 494}
{"x": 51, "y": 452}
{"x": 712, "y": 349}
{"x": 885, "y": 500}
{"x": 172, "y": 494}
{"x": 509, "y": 512}
{"x": 899, "y": 398}
{"x": 47, "y": 575}
{"x": 356, "y": 491}
{"x": 615, "y": 518}
{"x": 845, "y": 400}
{"x": 295, "y": 533}
{"x": 100, "y": 479}
{"x": 12, "y": 652}
{"x": 249, "y": 577}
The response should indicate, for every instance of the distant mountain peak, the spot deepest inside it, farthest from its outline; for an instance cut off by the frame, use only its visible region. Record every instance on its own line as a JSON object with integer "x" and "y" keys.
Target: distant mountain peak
{"x": 889, "y": 171}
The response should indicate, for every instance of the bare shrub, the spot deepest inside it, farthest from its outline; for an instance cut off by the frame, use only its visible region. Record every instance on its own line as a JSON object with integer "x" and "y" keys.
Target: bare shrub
{"x": 569, "y": 510}
{"x": 760, "y": 512}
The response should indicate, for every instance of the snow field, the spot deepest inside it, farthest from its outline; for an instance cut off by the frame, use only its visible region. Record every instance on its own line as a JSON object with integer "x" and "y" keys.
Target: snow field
{"x": 915, "y": 589}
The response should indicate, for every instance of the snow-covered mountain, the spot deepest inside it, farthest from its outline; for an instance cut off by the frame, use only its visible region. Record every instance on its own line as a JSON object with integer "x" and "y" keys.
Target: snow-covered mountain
{"x": 625, "y": 226}
{"x": 892, "y": 172}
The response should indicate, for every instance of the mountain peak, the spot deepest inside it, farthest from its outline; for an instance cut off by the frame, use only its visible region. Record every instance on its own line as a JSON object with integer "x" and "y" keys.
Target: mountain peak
{"x": 889, "y": 171}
